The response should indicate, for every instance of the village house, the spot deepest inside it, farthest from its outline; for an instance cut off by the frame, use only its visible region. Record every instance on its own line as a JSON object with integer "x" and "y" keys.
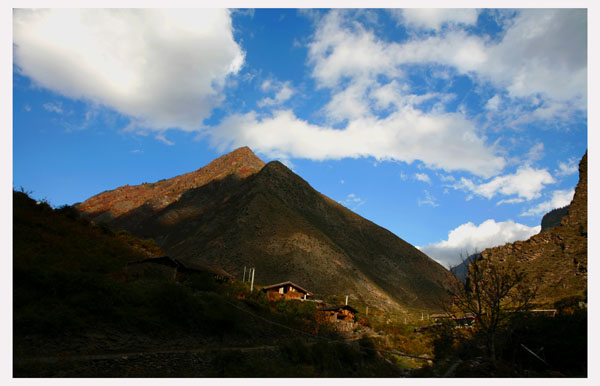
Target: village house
{"x": 286, "y": 290}
{"x": 440, "y": 317}
{"x": 344, "y": 313}
{"x": 466, "y": 320}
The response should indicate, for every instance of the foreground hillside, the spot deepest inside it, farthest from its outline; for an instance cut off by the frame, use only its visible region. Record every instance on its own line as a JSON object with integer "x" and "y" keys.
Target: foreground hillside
{"x": 79, "y": 313}
{"x": 246, "y": 214}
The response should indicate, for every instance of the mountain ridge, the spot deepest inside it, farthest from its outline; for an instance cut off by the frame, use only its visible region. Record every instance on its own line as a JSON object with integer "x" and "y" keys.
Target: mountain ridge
{"x": 273, "y": 220}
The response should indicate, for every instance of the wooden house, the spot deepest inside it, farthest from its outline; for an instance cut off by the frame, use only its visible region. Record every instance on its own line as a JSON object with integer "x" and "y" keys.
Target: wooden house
{"x": 286, "y": 290}
{"x": 344, "y": 313}
{"x": 441, "y": 317}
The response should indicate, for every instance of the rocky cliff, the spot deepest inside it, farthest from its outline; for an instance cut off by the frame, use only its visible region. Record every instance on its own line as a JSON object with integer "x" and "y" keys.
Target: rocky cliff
{"x": 555, "y": 260}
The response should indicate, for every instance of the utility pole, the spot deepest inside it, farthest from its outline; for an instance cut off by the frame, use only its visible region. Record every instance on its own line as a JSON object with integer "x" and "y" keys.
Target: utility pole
{"x": 252, "y": 282}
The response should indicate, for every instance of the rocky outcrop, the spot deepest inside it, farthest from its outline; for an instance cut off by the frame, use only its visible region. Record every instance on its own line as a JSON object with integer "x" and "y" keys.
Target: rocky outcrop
{"x": 555, "y": 260}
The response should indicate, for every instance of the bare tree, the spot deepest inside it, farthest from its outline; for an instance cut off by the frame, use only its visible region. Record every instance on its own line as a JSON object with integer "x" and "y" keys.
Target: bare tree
{"x": 493, "y": 292}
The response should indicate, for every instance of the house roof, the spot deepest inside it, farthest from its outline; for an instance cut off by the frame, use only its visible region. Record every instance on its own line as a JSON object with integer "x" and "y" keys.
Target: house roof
{"x": 340, "y": 307}
{"x": 300, "y": 289}
{"x": 440, "y": 316}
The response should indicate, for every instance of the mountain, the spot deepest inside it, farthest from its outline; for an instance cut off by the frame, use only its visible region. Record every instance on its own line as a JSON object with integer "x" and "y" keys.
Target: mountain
{"x": 556, "y": 259}
{"x": 461, "y": 270}
{"x": 237, "y": 212}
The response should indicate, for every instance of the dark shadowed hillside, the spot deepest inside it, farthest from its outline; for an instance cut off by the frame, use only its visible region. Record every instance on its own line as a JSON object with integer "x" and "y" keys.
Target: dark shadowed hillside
{"x": 271, "y": 219}
{"x": 79, "y": 311}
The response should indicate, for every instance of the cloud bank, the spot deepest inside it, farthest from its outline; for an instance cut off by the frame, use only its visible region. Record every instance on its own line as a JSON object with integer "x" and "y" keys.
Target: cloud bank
{"x": 166, "y": 69}
{"x": 163, "y": 68}
{"x": 470, "y": 238}
{"x": 444, "y": 141}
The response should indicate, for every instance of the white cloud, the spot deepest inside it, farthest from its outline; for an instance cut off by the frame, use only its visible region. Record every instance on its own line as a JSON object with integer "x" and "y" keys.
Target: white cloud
{"x": 493, "y": 104}
{"x": 526, "y": 183}
{"x": 53, "y": 107}
{"x": 567, "y": 168}
{"x": 447, "y": 178}
{"x": 542, "y": 52}
{"x": 283, "y": 92}
{"x": 510, "y": 201}
{"x": 469, "y": 238}
{"x": 428, "y": 200}
{"x": 441, "y": 141}
{"x": 536, "y": 153}
{"x": 163, "y": 68}
{"x": 423, "y": 178}
{"x": 348, "y": 103}
{"x": 352, "y": 202}
{"x": 432, "y": 18}
{"x": 560, "y": 198}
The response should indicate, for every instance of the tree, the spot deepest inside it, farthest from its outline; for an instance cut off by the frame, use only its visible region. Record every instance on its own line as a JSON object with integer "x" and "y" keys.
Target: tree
{"x": 493, "y": 292}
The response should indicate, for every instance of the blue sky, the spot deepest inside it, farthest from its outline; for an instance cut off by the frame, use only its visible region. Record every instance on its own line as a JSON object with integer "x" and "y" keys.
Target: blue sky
{"x": 456, "y": 129}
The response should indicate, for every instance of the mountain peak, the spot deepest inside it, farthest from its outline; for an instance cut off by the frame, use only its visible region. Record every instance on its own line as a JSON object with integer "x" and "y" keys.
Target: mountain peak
{"x": 277, "y": 166}
{"x": 243, "y": 149}
{"x": 106, "y": 206}
{"x": 241, "y": 161}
